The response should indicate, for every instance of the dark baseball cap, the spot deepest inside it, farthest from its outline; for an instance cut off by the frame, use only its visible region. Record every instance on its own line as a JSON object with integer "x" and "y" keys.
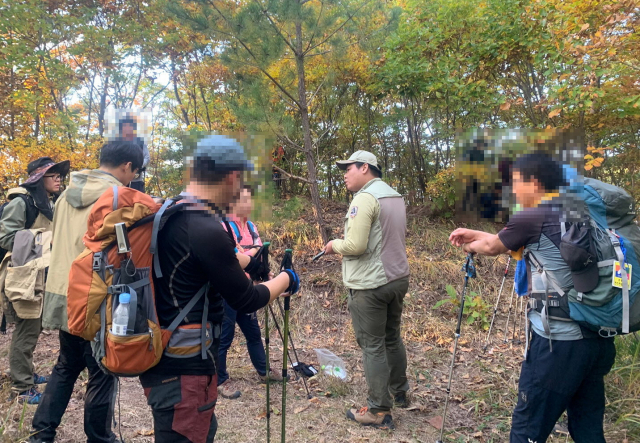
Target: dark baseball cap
{"x": 219, "y": 154}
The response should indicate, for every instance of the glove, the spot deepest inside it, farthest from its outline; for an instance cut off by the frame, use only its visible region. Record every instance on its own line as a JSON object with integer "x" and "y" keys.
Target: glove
{"x": 294, "y": 281}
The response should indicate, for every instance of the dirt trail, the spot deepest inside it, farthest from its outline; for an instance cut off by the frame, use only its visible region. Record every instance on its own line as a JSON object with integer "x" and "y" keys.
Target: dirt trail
{"x": 484, "y": 387}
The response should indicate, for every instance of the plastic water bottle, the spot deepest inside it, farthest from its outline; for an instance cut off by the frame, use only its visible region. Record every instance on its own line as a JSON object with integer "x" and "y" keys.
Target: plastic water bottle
{"x": 121, "y": 316}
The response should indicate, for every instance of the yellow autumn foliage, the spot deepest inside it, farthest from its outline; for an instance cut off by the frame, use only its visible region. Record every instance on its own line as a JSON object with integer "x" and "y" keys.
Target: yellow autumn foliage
{"x": 16, "y": 154}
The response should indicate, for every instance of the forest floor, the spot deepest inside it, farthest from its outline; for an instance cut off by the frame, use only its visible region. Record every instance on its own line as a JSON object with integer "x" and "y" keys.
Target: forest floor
{"x": 484, "y": 386}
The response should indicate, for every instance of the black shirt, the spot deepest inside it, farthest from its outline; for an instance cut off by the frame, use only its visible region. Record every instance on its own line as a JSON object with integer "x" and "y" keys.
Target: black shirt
{"x": 193, "y": 249}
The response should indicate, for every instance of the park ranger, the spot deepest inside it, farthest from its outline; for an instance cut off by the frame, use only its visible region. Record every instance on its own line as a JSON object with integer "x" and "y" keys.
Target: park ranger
{"x": 376, "y": 272}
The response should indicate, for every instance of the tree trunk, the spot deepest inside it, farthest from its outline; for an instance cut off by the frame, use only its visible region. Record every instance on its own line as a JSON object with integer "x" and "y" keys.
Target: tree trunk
{"x": 306, "y": 130}
{"x": 103, "y": 104}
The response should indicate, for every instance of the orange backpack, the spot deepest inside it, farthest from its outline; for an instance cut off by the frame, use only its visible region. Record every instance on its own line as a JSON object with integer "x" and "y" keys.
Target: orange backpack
{"x": 100, "y": 273}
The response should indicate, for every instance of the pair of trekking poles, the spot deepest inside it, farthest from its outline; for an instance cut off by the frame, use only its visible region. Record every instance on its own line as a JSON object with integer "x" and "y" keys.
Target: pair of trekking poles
{"x": 519, "y": 309}
{"x": 285, "y": 336}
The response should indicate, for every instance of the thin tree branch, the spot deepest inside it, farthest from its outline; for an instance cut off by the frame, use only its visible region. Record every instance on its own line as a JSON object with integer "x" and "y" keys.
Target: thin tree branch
{"x": 287, "y": 175}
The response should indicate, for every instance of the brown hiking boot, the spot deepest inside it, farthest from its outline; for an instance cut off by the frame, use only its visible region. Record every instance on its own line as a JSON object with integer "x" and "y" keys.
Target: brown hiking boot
{"x": 228, "y": 390}
{"x": 273, "y": 376}
{"x": 381, "y": 420}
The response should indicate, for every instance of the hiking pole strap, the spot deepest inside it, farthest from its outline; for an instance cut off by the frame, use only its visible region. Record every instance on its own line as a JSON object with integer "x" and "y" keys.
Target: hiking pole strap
{"x": 153, "y": 249}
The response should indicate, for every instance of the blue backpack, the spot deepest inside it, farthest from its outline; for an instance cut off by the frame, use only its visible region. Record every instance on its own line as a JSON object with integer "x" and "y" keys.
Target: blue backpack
{"x": 615, "y": 238}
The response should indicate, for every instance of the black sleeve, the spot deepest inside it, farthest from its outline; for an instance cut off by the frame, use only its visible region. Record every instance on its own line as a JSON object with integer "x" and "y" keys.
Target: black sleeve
{"x": 215, "y": 251}
{"x": 522, "y": 229}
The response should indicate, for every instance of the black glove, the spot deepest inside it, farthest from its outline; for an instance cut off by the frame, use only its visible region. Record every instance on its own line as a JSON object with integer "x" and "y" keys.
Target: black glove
{"x": 294, "y": 281}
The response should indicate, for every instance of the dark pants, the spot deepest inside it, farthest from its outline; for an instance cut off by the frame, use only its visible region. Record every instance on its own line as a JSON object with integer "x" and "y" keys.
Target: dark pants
{"x": 183, "y": 408}
{"x": 75, "y": 355}
{"x": 570, "y": 378}
{"x": 23, "y": 343}
{"x": 376, "y": 315}
{"x": 251, "y": 329}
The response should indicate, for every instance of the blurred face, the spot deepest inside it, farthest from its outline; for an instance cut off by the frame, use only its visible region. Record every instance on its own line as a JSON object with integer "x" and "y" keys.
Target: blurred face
{"x": 527, "y": 192}
{"x": 128, "y": 132}
{"x": 242, "y": 208}
{"x": 354, "y": 178}
{"x": 52, "y": 182}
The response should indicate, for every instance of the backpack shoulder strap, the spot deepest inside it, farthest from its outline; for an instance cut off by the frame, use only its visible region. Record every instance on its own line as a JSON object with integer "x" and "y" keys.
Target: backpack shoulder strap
{"x": 236, "y": 230}
{"x": 153, "y": 249}
{"x": 31, "y": 211}
{"x": 253, "y": 231}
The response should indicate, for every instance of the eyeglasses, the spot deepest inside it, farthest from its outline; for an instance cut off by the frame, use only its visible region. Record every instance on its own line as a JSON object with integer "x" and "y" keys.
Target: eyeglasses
{"x": 137, "y": 174}
{"x": 54, "y": 177}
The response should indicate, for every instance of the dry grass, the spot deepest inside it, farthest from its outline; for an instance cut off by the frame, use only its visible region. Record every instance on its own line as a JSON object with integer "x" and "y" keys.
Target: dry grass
{"x": 484, "y": 385}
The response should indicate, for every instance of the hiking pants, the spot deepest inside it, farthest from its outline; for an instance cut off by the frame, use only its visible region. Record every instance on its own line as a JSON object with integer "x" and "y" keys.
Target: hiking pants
{"x": 75, "y": 355}
{"x": 23, "y": 343}
{"x": 570, "y": 378}
{"x": 251, "y": 329}
{"x": 376, "y": 317}
{"x": 183, "y": 408}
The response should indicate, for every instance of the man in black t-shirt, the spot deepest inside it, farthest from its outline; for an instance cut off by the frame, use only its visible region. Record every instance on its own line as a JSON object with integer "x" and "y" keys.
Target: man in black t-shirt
{"x": 194, "y": 250}
{"x": 565, "y": 364}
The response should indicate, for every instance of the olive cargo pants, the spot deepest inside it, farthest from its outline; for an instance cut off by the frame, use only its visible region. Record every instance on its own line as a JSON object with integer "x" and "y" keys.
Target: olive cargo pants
{"x": 23, "y": 343}
{"x": 376, "y": 315}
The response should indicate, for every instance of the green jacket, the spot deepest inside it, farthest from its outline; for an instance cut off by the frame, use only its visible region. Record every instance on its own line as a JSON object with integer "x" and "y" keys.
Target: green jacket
{"x": 373, "y": 249}
{"x": 14, "y": 218}
{"x": 69, "y": 226}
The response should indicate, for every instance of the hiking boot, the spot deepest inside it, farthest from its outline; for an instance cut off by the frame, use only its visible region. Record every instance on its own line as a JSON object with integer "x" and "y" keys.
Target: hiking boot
{"x": 228, "y": 390}
{"x": 273, "y": 376}
{"x": 401, "y": 400}
{"x": 40, "y": 379}
{"x": 31, "y": 396}
{"x": 381, "y": 420}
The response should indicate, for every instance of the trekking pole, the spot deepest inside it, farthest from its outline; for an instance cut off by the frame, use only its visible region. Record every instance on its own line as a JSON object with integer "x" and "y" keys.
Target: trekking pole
{"x": 295, "y": 354}
{"x": 266, "y": 341}
{"x": 506, "y": 329}
{"x": 287, "y": 263}
{"x": 469, "y": 272}
{"x": 495, "y": 308}
{"x": 265, "y": 257}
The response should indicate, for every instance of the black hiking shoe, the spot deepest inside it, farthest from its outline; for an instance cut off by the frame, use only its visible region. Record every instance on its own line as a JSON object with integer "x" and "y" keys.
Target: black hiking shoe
{"x": 401, "y": 400}
{"x": 381, "y": 420}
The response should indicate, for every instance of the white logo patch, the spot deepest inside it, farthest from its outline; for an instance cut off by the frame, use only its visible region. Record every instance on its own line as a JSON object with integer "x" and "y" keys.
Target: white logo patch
{"x": 353, "y": 212}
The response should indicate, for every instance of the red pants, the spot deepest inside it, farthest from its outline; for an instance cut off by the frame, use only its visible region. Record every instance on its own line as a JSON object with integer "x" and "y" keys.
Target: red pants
{"x": 183, "y": 408}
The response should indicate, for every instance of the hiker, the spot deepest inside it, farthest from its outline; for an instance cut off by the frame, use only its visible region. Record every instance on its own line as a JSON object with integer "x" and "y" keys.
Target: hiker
{"x": 127, "y": 131}
{"x": 195, "y": 250}
{"x": 246, "y": 237}
{"x": 119, "y": 164}
{"x": 565, "y": 363}
{"x": 375, "y": 269}
{"x": 30, "y": 207}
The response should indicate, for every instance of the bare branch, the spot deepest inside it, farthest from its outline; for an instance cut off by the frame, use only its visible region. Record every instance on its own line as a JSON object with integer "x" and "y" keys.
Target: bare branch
{"x": 287, "y": 175}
